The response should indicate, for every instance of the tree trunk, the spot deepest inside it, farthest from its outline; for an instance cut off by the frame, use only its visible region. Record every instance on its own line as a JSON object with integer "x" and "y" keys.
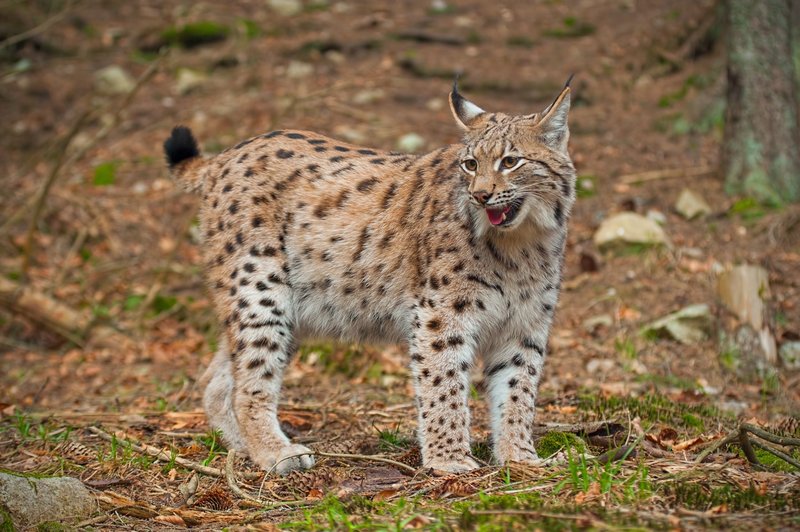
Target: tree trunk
{"x": 761, "y": 149}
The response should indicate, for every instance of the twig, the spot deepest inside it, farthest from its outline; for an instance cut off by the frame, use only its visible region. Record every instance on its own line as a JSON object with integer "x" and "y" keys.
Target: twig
{"x": 36, "y": 30}
{"x": 763, "y": 434}
{"x": 162, "y": 455}
{"x": 231, "y": 478}
{"x": 373, "y": 458}
{"x": 673, "y": 173}
{"x": 730, "y": 438}
{"x": 744, "y": 443}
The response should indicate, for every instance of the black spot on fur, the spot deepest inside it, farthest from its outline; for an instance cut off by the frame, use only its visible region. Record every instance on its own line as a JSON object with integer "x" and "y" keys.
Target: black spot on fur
{"x": 295, "y": 135}
{"x": 367, "y": 184}
{"x": 284, "y": 154}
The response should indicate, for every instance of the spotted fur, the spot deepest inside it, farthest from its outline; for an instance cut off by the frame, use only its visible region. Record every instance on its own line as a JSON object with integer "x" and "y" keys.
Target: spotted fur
{"x": 306, "y": 236}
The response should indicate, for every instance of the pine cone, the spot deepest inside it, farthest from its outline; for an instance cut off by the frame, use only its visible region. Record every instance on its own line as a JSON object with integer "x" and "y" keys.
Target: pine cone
{"x": 412, "y": 457}
{"x": 216, "y": 498}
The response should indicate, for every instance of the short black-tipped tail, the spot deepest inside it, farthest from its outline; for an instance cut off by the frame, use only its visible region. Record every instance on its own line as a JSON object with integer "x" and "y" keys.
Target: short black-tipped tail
{"x": 180, "y": 146}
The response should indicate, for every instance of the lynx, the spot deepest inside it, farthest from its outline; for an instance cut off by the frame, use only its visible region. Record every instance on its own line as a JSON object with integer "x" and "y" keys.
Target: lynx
{"x": 457, "y": 254}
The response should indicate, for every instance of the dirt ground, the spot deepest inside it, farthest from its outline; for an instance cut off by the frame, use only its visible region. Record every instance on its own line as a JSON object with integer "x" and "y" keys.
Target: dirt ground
{"x": 116, "y": 242}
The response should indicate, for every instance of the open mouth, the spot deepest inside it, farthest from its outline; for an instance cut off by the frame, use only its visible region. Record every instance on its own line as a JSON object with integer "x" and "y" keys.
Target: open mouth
{"x": 503, "y": 216}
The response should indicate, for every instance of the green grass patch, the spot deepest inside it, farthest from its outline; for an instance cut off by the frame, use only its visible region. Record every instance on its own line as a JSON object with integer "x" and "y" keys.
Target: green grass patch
{"x": 748, "y": 209}
{"x": 105, "y": 174}
{"x": 392, "y": 440}
{"x": 586, "y": 186}
{"x": 571, "y": 28}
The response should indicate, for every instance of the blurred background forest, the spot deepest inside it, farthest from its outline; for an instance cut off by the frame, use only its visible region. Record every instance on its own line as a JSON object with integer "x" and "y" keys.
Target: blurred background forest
{"x": 673, "y": 334}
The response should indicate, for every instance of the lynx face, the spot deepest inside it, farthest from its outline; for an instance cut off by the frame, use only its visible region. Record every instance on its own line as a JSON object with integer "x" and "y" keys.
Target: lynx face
{"x": 454, "y": 253}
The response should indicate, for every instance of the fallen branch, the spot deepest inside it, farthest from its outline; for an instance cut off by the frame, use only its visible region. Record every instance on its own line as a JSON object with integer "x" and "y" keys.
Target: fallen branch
{"x": 672, "y": 173}
{"x": 164, "y": 456}
{"x": 741, "y": 436}
{"x": 57, "y": 317}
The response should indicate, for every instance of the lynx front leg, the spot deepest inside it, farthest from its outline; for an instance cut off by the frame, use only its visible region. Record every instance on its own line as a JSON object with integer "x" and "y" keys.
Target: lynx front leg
{"x": 513, "y": 375}
{"x": 262, "y": 346}
{"x": 441, "y": 355}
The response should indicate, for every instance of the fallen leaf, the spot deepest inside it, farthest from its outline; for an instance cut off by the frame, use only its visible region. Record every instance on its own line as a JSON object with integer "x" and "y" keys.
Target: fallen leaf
{"x": 688, "y": 444}
{"x": 384, "y": 495}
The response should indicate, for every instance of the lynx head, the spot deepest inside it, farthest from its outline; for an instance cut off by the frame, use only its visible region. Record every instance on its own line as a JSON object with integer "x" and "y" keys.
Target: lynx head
{"x": 517, "y": 168}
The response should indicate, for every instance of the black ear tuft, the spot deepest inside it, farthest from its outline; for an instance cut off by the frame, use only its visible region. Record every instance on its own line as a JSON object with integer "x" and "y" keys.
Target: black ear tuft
{"x": 569, "y": 80}
{"x": 181, "y": 145}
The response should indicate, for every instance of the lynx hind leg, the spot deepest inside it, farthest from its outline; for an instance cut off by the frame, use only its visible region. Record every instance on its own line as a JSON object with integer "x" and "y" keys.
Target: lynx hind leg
{"x": 218, "y": 398}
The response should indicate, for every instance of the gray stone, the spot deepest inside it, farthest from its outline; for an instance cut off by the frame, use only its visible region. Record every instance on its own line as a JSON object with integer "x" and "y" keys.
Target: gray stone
{"x": 367, "y": 96}
{"x": 287, "y": 8}
{"x": 789, "y": 354}
{"x": 299, "y": 69}
{"x": 113, "y": 80}
{"x": 691, "y": 205}
{"x": 189, "y": 79}
{"x": 410, "y": 142}
{"x": 689, "y": 325}
{"x": 30, "y": 501}
{"x": 629, "y": 228}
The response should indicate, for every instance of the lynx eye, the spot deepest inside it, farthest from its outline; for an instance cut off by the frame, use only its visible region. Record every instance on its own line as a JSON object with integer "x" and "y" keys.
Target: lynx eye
{"x": 509, "y": 162}
{"x": 470, "y": 165}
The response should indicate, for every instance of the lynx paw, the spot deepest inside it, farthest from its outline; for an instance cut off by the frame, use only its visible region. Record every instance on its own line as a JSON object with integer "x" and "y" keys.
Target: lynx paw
{"x": 285, "y": 459}
{"x": 453, "y": 466}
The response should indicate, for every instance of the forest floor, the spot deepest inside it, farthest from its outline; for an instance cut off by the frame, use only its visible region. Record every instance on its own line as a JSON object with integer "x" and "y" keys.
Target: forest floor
{"x": 116, "y": 243}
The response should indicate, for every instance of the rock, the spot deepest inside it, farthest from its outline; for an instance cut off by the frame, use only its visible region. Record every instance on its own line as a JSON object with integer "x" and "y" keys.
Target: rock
{"x": 600, "y": 365}
{"x": 113, "y": 80}
{"x": 657, "y": 216}
{"x": 350, "y": 134}
{"x": 691, "y": 205}
{"x": 299, "y": 69}
{"x": 629, "y": 228}
{"x": 789, "y": 354}
{"x": 189, "y": 80}
{"x": 689, "y": 325}
{"x": 367, "y": 96}
{"x": 30, "y": 501}
{"x": 287, "y": 8}
{"x": 410, "y": 142}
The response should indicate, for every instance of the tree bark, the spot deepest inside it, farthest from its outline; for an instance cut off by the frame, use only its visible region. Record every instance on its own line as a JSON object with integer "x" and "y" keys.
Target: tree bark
{"x": 761, "y": 149}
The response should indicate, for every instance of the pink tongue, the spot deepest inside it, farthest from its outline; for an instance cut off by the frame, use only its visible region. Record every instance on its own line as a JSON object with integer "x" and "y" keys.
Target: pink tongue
{"x": 496, "y": 215}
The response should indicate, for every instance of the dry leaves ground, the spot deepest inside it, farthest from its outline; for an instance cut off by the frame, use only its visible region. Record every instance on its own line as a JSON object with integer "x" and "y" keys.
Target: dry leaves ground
{"x": 115, "y": 245}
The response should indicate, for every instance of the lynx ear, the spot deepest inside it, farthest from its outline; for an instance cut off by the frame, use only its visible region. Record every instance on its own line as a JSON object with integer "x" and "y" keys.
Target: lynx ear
{"x": 552, "y": 125}
{"x": 464, "y": 111}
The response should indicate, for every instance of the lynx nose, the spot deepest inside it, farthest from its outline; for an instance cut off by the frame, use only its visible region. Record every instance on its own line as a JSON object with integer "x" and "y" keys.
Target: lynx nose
{"x": 482, "y": 196}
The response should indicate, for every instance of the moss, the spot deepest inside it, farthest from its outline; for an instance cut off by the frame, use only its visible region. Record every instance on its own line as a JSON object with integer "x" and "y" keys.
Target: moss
{"x": 696, "y": 496}
{"x": 6, "y": 524}
{"x": 554, "y": 442}
{"x": 195, "y": 34}
{"x": 655, "y": 408}
{"x": 51, "y": 526}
